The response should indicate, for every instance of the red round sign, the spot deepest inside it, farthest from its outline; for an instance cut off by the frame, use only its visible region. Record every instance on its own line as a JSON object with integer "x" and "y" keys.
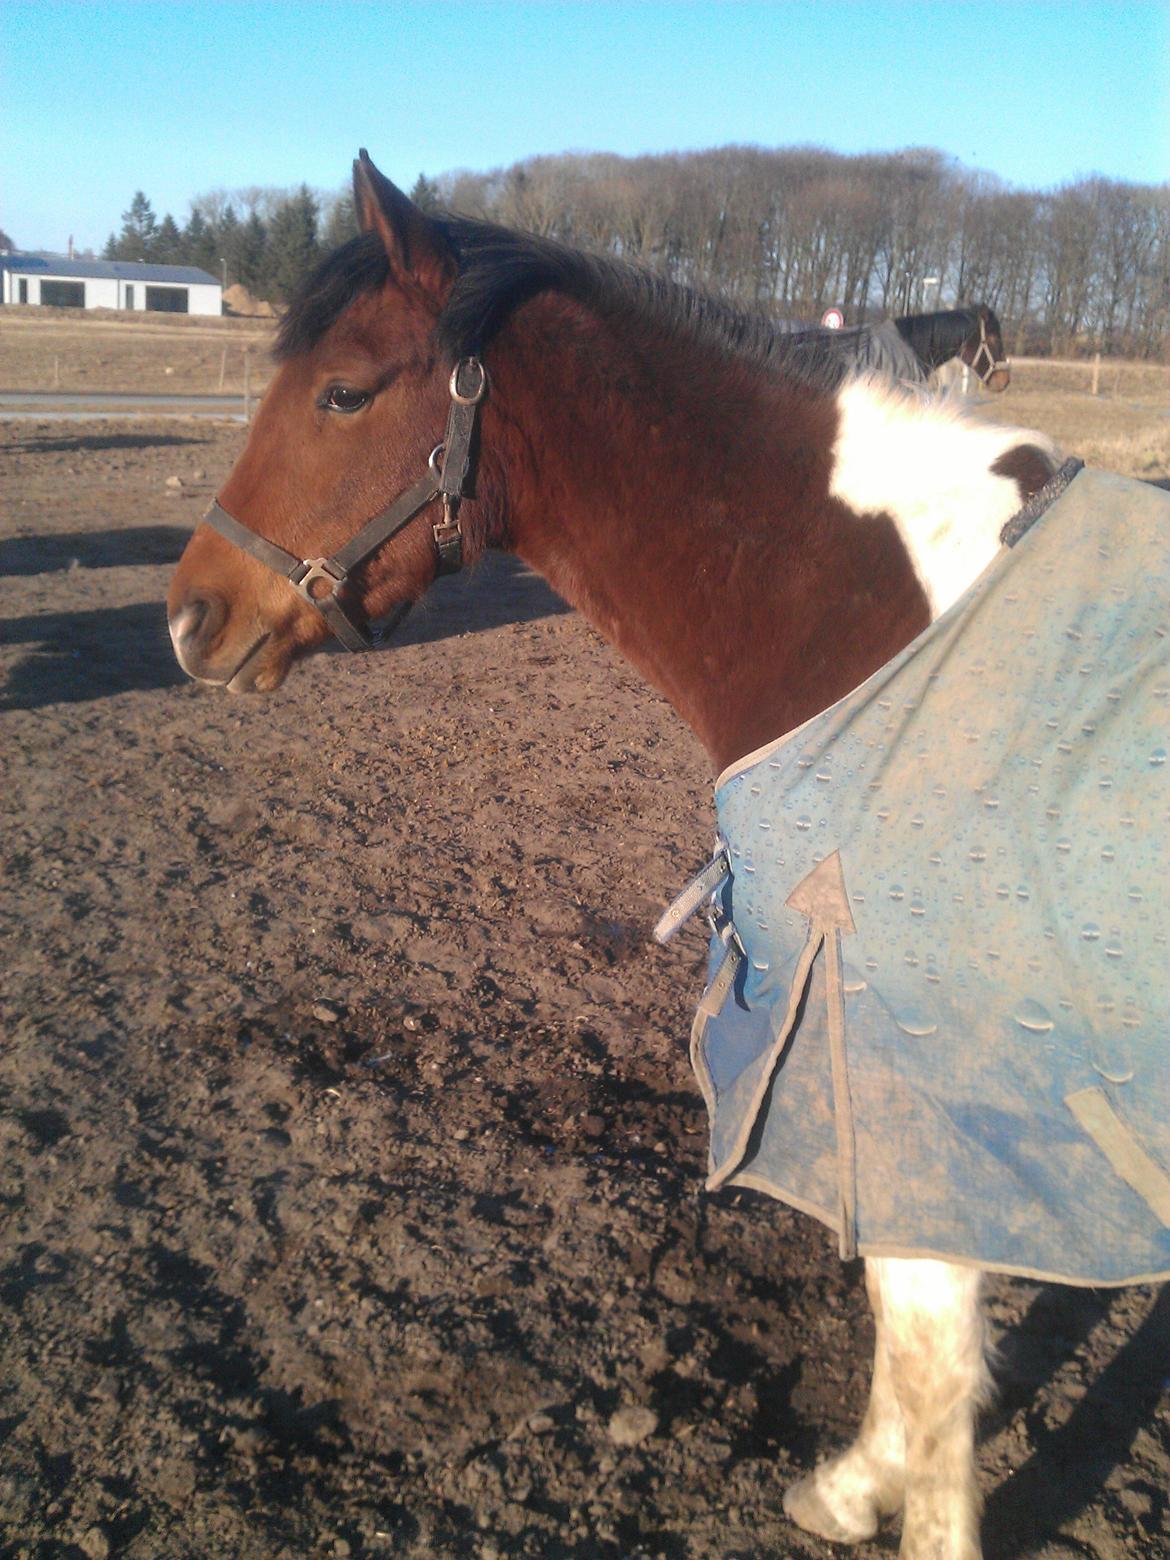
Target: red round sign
{"x": 832, "y": 319}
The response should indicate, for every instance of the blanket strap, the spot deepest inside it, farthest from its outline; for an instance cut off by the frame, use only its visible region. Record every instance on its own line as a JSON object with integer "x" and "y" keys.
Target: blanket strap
{"x": 703, "y": 886}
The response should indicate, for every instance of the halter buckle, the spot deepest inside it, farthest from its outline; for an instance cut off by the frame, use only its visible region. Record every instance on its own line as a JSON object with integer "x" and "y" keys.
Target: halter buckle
{"x": 311, "y": 569}
{"x": 448, "y": 537}
{"x": 468, "y": 397}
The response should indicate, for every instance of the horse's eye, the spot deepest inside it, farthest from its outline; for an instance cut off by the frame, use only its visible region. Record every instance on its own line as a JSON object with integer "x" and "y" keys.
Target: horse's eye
{"x": 341, "y": 398}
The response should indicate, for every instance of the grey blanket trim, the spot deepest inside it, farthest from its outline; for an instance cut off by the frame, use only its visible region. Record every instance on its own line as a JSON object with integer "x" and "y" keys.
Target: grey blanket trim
{"x": 1023, "y": 519}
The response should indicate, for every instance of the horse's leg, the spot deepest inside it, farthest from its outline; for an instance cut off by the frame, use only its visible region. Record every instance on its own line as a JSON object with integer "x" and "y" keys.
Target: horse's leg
{"x": 917, "y": 1442}
{"x": 846, "y": 1497}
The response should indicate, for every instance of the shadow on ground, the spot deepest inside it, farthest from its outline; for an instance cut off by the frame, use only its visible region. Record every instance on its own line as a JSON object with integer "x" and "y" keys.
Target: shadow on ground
{"x": 76, "y": 443}
{"x": 1071, "y": 1462}
{"x": 78, "y": 656}
{"x": 29, "y": 555}
{"x": 88, "y": 655}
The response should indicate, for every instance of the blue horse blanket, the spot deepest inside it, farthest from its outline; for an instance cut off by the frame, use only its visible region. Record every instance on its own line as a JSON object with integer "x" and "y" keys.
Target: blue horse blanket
{"x": 937, "y": 1015}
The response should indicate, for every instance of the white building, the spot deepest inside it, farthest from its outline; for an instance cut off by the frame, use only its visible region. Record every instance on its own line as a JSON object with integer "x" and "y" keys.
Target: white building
{"x": 54, "y": 281}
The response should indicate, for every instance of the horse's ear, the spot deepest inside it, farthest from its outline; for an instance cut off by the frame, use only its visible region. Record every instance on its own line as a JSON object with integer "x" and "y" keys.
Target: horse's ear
{"x": 418, "y": 253}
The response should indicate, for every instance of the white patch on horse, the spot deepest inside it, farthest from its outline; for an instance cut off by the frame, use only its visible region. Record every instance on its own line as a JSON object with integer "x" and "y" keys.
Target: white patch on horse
{"x": 927, "y": 464}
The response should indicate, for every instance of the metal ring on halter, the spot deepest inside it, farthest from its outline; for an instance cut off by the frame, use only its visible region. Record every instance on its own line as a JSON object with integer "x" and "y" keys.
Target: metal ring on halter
{"x": 435, "y": 459}
{"x": 313, "y": 569}
{"x": 481, "y": 388}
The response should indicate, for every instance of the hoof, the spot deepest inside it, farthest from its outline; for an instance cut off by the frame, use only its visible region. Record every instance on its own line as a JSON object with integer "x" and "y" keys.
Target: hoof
{"x": 806, "y": 1506}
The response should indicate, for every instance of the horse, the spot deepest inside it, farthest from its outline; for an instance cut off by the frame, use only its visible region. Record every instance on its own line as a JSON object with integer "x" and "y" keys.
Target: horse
{"x": 911, "y": 347}
{"x": 972, "y": 333}
{"x": 755, "y": 532}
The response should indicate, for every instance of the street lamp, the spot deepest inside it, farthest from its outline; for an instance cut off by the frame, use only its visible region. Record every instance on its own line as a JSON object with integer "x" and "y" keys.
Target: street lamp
{"x": 223, "y": 269}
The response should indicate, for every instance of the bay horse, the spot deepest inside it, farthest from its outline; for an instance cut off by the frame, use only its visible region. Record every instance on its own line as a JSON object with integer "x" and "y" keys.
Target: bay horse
{"x": 754, "y": 533}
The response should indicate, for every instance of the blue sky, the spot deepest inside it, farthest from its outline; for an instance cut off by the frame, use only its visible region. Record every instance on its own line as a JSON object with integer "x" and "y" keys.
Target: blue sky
{"x": 100, "y": 99}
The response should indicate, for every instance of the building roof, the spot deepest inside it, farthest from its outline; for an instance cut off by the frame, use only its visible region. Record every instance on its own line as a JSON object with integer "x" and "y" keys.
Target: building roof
{"x": 107, "y": 270}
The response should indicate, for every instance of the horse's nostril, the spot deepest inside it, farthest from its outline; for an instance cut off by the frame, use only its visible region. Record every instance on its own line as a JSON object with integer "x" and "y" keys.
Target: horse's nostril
{"x": 196, "y": 620}
{"x": 191, "y": 617}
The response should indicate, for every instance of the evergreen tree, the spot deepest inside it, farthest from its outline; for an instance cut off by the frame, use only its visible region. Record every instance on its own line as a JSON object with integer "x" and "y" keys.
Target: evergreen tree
{"x": 251, "y": 254}
{"x": 199, "y": 243}
{"x": 342, "y": 222}
{"x": 139, "y": 227}
{"x": 167, "y": 248}
{"x": 292, "y": 244}
{"x": 425, "y": 194}
{"x": 227, "y": 241}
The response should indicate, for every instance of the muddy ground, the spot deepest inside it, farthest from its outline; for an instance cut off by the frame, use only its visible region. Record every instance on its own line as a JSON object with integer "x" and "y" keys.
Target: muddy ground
{"x": 351, "y": 1174}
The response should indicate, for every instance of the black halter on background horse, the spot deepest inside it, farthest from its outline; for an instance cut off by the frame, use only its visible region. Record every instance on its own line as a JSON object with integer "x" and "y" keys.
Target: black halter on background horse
{"x": 450, "y": 475}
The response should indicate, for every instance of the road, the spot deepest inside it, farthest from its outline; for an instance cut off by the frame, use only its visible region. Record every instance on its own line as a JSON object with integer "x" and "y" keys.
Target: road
{"x": 77, "y": 405}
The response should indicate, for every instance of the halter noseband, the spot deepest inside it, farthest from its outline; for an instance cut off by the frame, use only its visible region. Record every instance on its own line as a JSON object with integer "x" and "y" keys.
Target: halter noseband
{"x": 983, "y": 350}
{"x": 450, "y": 476}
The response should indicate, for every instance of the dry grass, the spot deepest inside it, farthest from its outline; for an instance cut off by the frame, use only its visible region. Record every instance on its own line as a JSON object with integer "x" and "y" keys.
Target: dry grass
{"x": 1124, "y": 428}
{"x": 66, "y": 351}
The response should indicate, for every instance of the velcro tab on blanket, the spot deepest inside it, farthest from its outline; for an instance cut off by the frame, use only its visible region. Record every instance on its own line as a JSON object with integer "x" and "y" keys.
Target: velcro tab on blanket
{"x": 693, "y": 896}
{"x": 1096, "y": 1116}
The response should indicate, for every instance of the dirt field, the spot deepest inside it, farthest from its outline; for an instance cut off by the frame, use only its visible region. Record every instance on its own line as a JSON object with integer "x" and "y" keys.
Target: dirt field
{"x": 350, "y": 1192}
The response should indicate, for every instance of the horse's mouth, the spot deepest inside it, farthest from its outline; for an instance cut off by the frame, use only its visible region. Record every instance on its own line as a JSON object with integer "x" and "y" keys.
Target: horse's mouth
{"x": 255, "y": 673}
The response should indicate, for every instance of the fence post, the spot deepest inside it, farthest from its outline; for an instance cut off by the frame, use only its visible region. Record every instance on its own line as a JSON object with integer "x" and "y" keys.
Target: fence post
{"x": 222, "y": 367}
{"x": 247, "y": 388}
{"x": 1096, "y": 371}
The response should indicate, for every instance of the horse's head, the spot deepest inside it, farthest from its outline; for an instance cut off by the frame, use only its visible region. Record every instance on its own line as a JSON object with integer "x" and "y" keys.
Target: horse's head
{"x": 349, "y": 425}
{"x": 984, "y": 352}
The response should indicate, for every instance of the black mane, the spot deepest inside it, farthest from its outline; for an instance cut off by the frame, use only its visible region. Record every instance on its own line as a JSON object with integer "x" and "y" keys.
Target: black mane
{"x": 499, "y": 269}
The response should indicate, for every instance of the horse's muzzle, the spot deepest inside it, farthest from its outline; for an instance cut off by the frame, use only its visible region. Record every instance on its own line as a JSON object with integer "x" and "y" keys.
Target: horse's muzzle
{"x": 210, "y": 653}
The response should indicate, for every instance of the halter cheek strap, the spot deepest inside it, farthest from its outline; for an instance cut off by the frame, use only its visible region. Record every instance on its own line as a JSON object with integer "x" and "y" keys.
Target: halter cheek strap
{"x": 984, "y": 351}
{"x": 450, "y": 475}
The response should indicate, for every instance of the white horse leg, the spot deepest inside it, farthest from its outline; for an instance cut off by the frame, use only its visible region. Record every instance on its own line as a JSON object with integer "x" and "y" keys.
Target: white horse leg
{"x": 846, "y": 1497}
{"x": 917, "y": 1442}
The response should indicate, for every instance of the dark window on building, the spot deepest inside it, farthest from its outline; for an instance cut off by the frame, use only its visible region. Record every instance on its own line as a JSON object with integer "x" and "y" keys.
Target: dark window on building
{"x": 22, "y": 290}
{"x": 129, "y": 297}
{"x": 170, "y": 300}
{"x": 63, "y": 295}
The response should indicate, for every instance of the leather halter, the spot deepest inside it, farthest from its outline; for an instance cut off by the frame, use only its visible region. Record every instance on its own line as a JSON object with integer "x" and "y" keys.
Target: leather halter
{"x": 983, "y": 350}
{"x": 450, "y": 475}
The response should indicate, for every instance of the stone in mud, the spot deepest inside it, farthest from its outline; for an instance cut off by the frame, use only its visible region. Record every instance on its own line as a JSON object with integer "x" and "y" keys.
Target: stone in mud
{"x": 631, "y": 1426}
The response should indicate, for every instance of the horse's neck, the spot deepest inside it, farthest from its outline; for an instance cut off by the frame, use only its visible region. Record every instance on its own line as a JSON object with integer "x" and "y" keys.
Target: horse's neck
{"x": 749, "y": 545}
{"x": 936, "y": 338}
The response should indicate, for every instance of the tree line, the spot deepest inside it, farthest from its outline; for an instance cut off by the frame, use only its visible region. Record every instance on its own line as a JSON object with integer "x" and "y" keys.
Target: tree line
{"x": 787, "y": 232}
{"x": 266, "y": 240}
